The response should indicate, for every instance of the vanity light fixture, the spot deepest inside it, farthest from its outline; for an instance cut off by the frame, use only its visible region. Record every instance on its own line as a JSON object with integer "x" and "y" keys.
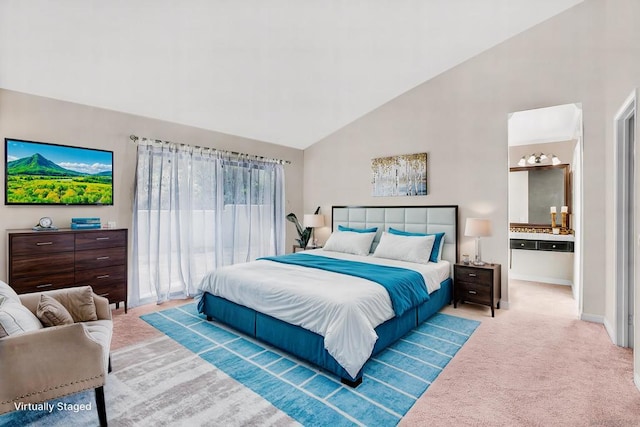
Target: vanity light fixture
{"x": 538, "y": 158}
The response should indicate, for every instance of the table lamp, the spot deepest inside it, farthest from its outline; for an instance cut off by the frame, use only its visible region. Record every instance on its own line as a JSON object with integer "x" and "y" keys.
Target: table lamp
{"x": 313, "y": 221}
{"x": 477, "y": 227}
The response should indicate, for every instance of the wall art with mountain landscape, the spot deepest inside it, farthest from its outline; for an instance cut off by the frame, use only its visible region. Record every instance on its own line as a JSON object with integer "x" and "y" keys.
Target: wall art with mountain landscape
{"x": 42, "y": 173}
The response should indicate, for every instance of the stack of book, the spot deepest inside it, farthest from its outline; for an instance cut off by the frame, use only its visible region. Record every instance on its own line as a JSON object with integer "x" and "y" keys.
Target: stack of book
{"x": 85, "y": 223}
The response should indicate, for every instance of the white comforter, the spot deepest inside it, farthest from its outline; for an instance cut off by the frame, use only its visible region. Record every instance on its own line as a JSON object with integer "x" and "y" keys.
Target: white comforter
{"x": 343, "y": 309}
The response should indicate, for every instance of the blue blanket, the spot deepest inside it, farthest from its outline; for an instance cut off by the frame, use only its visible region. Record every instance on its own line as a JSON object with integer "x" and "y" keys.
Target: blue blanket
{"x": 406, "y": 288}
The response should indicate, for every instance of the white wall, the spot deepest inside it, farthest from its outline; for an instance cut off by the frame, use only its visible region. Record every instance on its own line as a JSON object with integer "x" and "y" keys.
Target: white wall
{"x": 35, "y": 118}
{"x": 460, "y": 119}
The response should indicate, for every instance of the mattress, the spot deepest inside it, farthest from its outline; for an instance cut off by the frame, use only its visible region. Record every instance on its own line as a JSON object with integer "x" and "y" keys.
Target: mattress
{"x": 343, "y": 309}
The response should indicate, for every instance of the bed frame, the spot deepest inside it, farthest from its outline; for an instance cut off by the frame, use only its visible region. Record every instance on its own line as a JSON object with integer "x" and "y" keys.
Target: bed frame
{"x": 308, "y": 345}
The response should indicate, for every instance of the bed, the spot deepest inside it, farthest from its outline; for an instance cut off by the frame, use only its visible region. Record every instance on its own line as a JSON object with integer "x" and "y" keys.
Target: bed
{"x": 324, "y": 316}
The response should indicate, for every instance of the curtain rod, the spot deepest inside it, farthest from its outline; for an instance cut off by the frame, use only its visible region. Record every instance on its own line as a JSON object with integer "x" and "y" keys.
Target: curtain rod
{"x": 135, "y": 139}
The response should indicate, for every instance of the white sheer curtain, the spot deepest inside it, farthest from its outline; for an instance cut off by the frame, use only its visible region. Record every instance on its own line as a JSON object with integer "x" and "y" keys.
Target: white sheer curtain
{"x": 197, "y": 209}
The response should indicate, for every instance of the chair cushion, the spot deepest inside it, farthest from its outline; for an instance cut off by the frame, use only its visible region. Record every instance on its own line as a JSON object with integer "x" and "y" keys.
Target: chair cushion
{"x": 8, "y": 292}
{"x": 16, "y": 318}
{"x": 52, "y": 313}
{"x": 78, "y": 301}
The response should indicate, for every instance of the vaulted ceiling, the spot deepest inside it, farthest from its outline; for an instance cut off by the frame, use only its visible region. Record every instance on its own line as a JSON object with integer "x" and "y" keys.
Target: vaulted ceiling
{"x": 288, "y": 72}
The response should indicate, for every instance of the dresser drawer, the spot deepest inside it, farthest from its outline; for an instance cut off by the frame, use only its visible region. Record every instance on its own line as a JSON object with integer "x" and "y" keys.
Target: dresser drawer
{"x": 474, "y": 292}
{"x": 36, "y": 244}
{"x": 475, "y": 275}
{"x": 41, "y": 264}
{"x": 98, "y": 258}
{"x": 32, "y": 283}
{"x": 100, "y": 239}
{"x": 101, "y": 276}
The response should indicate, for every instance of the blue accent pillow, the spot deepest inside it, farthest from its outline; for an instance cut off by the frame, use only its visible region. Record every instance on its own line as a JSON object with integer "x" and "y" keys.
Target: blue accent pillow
{"x": 437, "y": 243}
{"x": 358, "y": 230}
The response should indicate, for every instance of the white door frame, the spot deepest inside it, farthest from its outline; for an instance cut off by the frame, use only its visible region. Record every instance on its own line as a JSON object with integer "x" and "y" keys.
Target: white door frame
{"x": 622, "y": 232}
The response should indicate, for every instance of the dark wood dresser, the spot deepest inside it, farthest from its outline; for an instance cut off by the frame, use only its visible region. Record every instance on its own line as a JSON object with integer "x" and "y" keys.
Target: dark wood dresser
{"x": 43, "y": 260}
{"x": 478, "y": 284}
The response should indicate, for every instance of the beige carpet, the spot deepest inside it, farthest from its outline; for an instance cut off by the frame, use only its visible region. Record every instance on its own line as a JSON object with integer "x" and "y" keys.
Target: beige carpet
{"x": 532, "y": 365}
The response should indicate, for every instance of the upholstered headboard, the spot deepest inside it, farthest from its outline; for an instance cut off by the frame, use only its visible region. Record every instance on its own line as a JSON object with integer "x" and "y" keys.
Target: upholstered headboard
{"x": 417, "y": 219}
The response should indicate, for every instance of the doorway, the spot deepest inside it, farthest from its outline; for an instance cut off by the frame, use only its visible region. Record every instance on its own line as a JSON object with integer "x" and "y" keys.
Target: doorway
{"x": 626, "y": 228}
{"x": 544, "y": 214}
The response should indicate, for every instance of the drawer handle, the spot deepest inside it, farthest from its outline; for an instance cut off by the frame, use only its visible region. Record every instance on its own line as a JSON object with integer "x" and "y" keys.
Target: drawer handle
{"x": 102, "y": 238}
{"x": 44, "y": 243}
{"x": 521, "y": 244}
{"x": 553, "y": 246}
{"x": 472, "y": 274}
{"x": 104, "y": 276}
{"x": 100, "y": 258}
{"x": 104, "y": 295}
{"x": 46, "y": 285}
{"x": 472, "y": 292}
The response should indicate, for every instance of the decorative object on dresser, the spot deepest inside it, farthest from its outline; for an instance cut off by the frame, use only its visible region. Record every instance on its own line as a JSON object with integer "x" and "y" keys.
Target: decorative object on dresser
{"x": 477, "y": 284}
{"x": 477, "y": 227}
{"x": 45, "y": 223}
{"x": 85, "y": 223}
{"x": 45, "y": 260}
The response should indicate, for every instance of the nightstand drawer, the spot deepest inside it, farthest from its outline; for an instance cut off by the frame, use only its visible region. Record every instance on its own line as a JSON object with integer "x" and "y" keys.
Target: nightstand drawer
{"x": 474, "y": 292}
{"x": 475, "y": 275}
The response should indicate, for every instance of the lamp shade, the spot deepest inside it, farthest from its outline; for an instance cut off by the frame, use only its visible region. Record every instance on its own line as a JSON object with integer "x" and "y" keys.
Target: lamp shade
{"x": 477, "y": 227}
{"x": 313, "y": 221}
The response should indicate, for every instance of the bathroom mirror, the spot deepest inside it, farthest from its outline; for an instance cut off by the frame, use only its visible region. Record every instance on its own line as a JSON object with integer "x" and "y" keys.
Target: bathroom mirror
{"x": 533, "y": 190}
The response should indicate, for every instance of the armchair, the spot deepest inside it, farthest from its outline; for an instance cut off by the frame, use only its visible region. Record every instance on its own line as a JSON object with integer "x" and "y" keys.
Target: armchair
{"x": 57, "y": 361}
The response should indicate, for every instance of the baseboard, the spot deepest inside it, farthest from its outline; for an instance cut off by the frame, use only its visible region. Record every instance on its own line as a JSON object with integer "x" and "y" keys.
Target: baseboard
{"x": 504, "y": 305}
{"x": 595, "y": 318}
{"x": 541, "y": 279}
{"x": 610, "y": 331}
{"x": 636, "y": 379}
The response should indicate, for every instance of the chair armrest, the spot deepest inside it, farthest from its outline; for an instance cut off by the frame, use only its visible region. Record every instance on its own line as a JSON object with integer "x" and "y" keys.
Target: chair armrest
{"x": 102, "y": 307}
{"x": 49, "y": 363}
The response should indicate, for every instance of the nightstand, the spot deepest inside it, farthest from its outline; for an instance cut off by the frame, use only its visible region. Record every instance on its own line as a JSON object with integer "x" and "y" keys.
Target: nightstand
{"x": 297, "y": 248}
{"x": 479, "y": 284}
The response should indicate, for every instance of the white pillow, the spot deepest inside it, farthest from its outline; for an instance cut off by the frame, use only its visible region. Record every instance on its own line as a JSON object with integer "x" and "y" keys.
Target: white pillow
{"x": 8, "y": 292}
{"x": 405, "y": 248}
{"x": 15, "y": 318}
{"x": 350, "y": 242}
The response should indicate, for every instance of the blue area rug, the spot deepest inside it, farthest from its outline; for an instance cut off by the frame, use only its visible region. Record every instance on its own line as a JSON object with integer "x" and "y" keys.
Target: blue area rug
{"x": 393, "y": 380}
